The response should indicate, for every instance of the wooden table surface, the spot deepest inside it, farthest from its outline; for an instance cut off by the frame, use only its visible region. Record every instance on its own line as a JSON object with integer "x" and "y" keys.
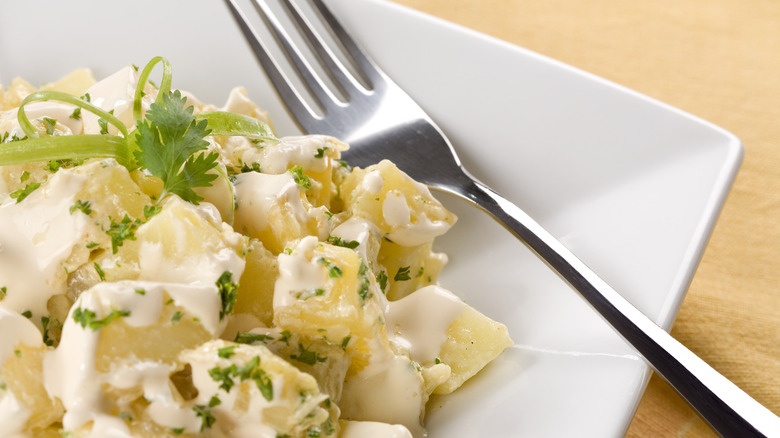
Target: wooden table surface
{"x": 719, "y": 60}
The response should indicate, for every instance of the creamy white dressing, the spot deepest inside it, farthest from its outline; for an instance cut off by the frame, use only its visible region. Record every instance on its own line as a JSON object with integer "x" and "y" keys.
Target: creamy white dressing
{"x": 388, "y": 390}
{"x": 117, "y": 93}
{"x": 296, "y": 150}
{"x": 420, "y": 321}
{"x": 395, "y": 209}
{"x": 362, "y": 231}
{"x": 258, "y": 194}
{"x": 246, "y": 422}
{"x": 37, "y": 236}
{"x": 298, "y": 271}
{"x": 16, "y": 329}
{"x": 372, "y": 182}
{"x": 194, "y": 268}
{"x": 61, "y": 112}
{"x": 373, "y": 429}
{"x": 13, "y": 415}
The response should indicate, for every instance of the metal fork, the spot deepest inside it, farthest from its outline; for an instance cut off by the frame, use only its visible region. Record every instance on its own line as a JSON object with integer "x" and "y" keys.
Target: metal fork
{"x": 380, "y": 121}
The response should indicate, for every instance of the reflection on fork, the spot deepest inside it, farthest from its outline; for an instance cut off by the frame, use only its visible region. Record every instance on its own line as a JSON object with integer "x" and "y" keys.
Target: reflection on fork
{"x": 380, "y": 121}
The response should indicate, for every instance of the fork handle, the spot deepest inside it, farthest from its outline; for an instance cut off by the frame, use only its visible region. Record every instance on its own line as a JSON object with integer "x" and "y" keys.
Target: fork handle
{"x": 728, "y": 409}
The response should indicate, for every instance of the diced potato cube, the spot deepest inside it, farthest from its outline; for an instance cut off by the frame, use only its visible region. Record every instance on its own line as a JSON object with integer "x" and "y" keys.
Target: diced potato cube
{"x": 241, "y": 385}
{"x": 326, "y": 362}
{"x": 74, "y": 83}
{"x": 256, "y": 287}
{"x": 326, "y": 291}
{"x": 403, "y": 209}
{"x": 275, "y": 210}
{"x": 180, "y": 244}
{"x": 409, "y": 268}
{"x": 23, "y": 376}
{"x": 473, "y": 340}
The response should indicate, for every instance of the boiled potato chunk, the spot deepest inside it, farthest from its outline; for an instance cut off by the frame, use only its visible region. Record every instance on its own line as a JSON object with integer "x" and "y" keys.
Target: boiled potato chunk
{"x": 473, "y": 340}
{"x": 183, "y": 243}
{"x": 403, "y": 209}
{"x": 275, "y": 210}
{"x": 409, "y": 268}
{"x": 248, "y": 388}
{"x": 326, "y": 362}
{"x": 23, "y": 376}
{"x": 256, "y": 287}
{"x": 326, "y": 291}
{"x": 75, "y": 83}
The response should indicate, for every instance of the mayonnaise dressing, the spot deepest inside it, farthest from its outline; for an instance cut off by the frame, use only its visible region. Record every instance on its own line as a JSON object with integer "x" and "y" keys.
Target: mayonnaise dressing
{"x": 373, "y": 429}
{"x": 408, "y": 226}
{"x": 246, "y": 421}
{"x": 296, "y": 150}
{"x": 199, "y": 268}
{"x": 257, "y": 194}
{"x": 362, "y": 231}
{"x": 13, "y": 415}
{"x": 388, "y": 390}
{"x": 372, "y": 182}
{"x": 61, "y": 112}
{"x": 298, "y": 271}
{"x": 117, "y": 93}
{"x": 420, "y": 321}
{"x": 37, "y": 236}
{"x": 16, "y": 329}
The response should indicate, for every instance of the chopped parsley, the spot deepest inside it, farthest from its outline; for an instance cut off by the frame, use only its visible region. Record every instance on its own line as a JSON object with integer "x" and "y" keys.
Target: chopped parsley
{"x": 306, "y": 294}
{"x": 207, "y": 418}
{"x": 307, "y": 356}
{"x": 121, "y": 231}
{"x": 88, "y": 318}
{"x": 338, "y": 241}
{"x": 50, "y": 124}
{"x": 300, "y": 178}
{"x": 3, "y": 292}
{"x": 381, "y": 279}
{"x": 402, "y": 274}
{"x": 334, "y": 271}
{"x": 27, "y": 314}
{"x": 100, "y": 272}
{"x": 83, "y": 206}
{"x": 250, "y": 338}
{"x": 226, "y": 352}
{"x": 321, "y": 152}
{"x": 364, "y": 288}
{"x": 177, "y": 316}
{"x": 22, "y": 193}
{"x": 228, "y": 293}
{"x": 250, "y": 371}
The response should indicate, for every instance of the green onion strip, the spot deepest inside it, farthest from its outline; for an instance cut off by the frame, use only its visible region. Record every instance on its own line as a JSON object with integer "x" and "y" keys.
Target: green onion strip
{"x": 165, "y": 83}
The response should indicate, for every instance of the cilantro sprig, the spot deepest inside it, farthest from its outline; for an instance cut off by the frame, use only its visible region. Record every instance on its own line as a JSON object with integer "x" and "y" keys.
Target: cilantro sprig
{"x": 170, "y": 146}
{"x": 168, "y": 140}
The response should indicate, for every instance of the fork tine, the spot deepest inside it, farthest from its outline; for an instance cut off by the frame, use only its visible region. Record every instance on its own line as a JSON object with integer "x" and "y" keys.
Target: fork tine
{"x": 311, "y": 79}
{"x": 347, "y": 83}
{"x": 292, "y": 99}
{"x": 364, "y": 64}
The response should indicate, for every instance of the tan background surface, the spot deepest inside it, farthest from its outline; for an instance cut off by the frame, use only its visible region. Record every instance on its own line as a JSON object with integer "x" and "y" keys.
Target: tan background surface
{"x": 719, "y": 60}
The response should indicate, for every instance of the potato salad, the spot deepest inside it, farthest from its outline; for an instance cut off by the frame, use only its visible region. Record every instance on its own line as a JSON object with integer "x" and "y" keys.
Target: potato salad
{"x": 171, "y": 268}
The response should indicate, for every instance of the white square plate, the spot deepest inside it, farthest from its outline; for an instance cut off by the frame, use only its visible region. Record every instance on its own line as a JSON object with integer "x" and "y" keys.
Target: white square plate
{"x": 629, "y": 184}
